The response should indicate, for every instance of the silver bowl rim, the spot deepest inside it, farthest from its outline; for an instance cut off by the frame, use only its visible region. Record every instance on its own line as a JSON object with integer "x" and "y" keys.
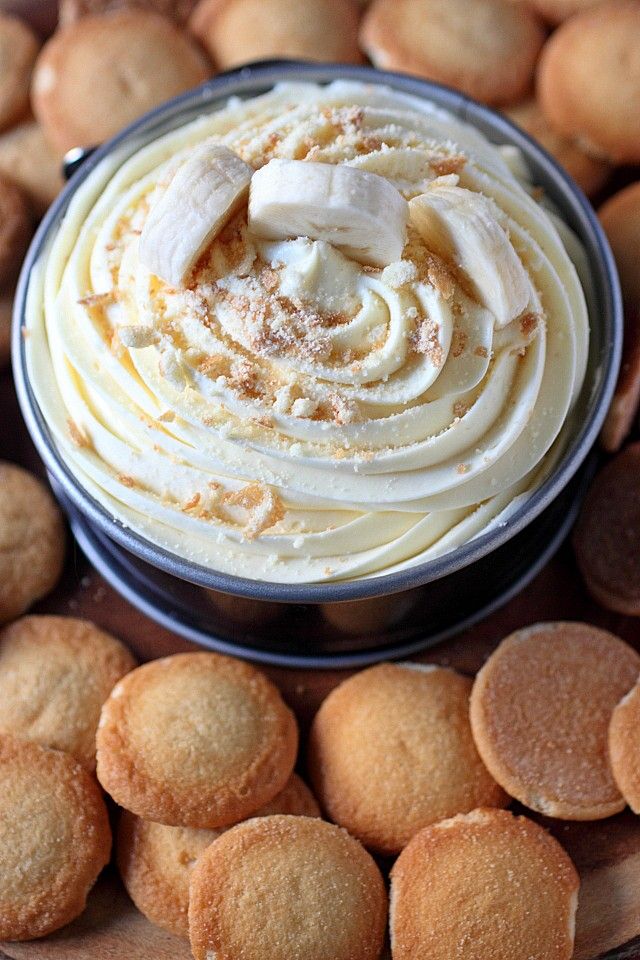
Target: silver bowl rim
{"x": 252, "y": 80}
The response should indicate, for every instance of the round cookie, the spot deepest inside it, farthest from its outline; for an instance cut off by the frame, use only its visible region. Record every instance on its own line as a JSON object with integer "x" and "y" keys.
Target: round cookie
{"x": 72, "y": 10}
{"x": 156, "y": 861}
{"x": 54, "y": 838}
{"x": 555, "y": 11}
{"x": 620, "y": 218}
{"x": 195, "y": 740}
{"x": 589, "y": 173}
{"x": 286, "y": 888}
{"x": 15, "y": 230}
{"x": 607, "y": 534}
{"x": 391, "y": 751}
{"x": 101, "y": 73}
{"x": 485, "y": 884}
{"x": 236, "y": 31}
{"x": 589, "y": 80}
{"x": 27, "y": 159}
{"x": 486, "y": 48}
{"x": 18, "y": 51}
{"x": 55, "y": 674}
{"x": 31, "y": 541}
{"x": 626, "y": 399}
{"x": 540, "y": 711}
{"x": 624, "y": 747}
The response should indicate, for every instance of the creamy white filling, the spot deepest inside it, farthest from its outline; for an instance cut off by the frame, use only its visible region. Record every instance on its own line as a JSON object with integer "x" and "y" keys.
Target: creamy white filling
{"x": 360, "y": 420}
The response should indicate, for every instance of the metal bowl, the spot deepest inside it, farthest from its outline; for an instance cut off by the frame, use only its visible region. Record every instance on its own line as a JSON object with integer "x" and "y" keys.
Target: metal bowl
{"x": 604, "y": 353}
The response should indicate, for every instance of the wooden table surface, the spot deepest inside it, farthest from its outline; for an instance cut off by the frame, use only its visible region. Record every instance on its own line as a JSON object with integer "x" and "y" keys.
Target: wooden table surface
{"x": 607, "y": 854}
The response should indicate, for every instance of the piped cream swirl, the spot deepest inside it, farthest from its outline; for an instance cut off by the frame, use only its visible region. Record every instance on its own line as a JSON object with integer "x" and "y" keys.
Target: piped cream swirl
{"x": 293, "y": 415}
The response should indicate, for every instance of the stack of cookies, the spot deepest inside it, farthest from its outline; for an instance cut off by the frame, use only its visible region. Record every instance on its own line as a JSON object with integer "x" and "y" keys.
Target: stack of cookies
{"x": 220, "y": 841}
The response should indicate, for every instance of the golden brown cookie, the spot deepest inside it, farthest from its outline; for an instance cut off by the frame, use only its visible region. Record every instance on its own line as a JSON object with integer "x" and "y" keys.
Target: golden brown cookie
{"x": 624, "y": 747}
{"x": 101, "y": 73}
{"x": 15, "y": 230}
{"x": 607, "y": 535}
{"x": 237, "y": 31}
{"x": 18, "y": 51}
{"x": 589, "y": 173}
{"x": 31, "y": 541}
{"x": 483, "y": 885}
{"x": 72, "y": 10}
{"x": 555, "y": 11}
{"x": 486, "y": 48}
{"x": 626, "y": 400}
{"x": 589, "y": 80}
{"x": 156, "y": 861}
{"x": 55, "y": 674}
{"x": 391, "y": 751}
{"x": 6, "y": 312}
{"x": 195, "y": 740}
{"x": 367, "y": 616}
{"x": 27, "y": 159}
{"x": 286, "y": 888}
{"x": 54, "y": 838}
{"x": 540, "y": 712}
{"x": 620, "y": 218}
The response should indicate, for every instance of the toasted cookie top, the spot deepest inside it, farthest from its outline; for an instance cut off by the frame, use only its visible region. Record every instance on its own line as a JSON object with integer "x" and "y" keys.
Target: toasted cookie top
{"x": 31, "y": 541}
{"x": 590, "y": 173}
{"x": 391, "y": 751}
{"x": 156, "y": 861}
{"x": 195, "y": 739}
{"x": 486, "y": 48}
{"x": 54, "y": 838}
{"x": 607, "y": 534}
{"x": 540, "y": 711}
{"x": 286, "y": 888}
{"x": 55, "y": 674}
{"x": 237, "y": 31}
{"x": 102, "y": 72}
{"x": 485, "y": 884}
{"x": 624, "y": 747}
{"x": 589, "y": 80}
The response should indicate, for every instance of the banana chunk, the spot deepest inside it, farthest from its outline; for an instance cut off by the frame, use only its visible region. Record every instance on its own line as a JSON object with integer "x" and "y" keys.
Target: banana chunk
{"x": 462, "y": 226}
{"x": 360, "y": 213}
{"x": 205, "y": 192}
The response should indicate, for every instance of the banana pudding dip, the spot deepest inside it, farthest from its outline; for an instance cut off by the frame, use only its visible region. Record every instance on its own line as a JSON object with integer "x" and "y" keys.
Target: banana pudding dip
{"x": 321, "y": 334}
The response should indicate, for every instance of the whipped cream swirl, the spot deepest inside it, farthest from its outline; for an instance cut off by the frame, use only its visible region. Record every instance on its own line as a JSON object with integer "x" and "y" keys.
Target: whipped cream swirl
{"x": 292, "y": 415}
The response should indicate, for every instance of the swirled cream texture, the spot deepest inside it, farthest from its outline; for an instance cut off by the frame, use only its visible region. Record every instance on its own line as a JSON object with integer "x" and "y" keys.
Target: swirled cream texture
{"x": 293, "y": 415}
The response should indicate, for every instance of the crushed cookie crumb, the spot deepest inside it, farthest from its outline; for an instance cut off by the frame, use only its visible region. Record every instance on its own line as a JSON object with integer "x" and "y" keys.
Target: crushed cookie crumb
{"x": 343, "y": 409}
{"x": 167, "y": 417}
{"x": 126, "y": 480}
{"x": 265, "y": 507}
{"x": 77, "y": 435}
{"x": 98, "y": 299}
{"x": 425, "y": 341}
{"x": 460, "y": 407}
{"x": 463, "y": 468}
{"x": 481, "y": 351}
{"x": 459, "y": 341}
{"x": 444, "y": 166}
{"x": 529, "y": 323}
{"x": 192, "y": 502}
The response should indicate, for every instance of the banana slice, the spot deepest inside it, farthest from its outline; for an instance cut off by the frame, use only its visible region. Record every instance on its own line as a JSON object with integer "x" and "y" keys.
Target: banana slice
{"x": 361, "y": 213}
{"x": 462, "y": 226}
{"x": 206, "y": 191}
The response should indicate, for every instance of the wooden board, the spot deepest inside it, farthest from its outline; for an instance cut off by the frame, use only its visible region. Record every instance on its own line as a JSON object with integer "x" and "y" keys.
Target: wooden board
{"x": 607, "y": 853}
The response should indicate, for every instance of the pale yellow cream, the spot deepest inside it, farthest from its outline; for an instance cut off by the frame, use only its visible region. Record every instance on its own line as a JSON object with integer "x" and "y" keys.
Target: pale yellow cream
{"x": 295, "y": 416}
